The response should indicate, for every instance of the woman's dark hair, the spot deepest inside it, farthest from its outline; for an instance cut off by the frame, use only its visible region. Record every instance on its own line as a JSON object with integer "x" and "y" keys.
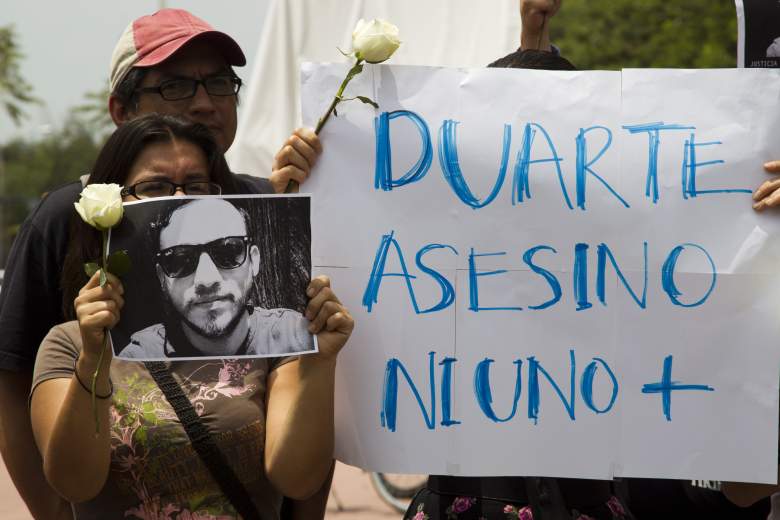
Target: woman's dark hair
{"x": 113, "y": 165}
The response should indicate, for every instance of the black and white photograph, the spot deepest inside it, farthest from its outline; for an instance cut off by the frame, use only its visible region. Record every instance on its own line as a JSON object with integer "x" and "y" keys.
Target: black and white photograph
{"x": 759, "y": 33}
{"x": 214, "y": 277}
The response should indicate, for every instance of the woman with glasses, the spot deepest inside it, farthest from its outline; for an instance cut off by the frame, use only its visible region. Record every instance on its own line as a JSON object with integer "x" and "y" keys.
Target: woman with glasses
{"x": 269, "y": 421}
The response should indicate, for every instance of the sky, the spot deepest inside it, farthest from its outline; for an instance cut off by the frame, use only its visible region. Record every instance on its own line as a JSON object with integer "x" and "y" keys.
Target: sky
{"x": 67, "y": 46}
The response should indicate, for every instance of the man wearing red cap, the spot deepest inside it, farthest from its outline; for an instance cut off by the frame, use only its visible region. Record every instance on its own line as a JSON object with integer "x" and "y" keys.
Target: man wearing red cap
{"x": 169, "y": 62}
{"x": 159, "y": 65}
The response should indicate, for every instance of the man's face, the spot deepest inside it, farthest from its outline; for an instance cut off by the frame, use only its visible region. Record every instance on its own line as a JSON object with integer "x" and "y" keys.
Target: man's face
{"x": 196, "y": 60}
{"x": 211, "y": 299}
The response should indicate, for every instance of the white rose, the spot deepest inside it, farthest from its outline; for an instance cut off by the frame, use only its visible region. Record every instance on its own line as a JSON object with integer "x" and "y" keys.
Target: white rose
{"x": 374, "y": 41}
{"x": 100, "y": 205}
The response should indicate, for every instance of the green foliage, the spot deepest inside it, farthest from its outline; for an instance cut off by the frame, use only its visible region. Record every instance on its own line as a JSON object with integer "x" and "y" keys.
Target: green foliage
{"x": 31, "y": 167}
{"x": 93, "y": 113}
{"x": 615, "y": 34}
{"x": 14, "y": 90}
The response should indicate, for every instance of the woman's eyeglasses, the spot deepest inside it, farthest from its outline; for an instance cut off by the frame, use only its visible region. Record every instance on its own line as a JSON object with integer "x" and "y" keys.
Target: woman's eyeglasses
{"x": 151, "y": 189}
{"x": 181, "y": 261}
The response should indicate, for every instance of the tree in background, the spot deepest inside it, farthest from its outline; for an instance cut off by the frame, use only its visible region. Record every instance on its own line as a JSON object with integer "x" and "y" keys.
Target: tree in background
{"x": 615, "y": 34}
{"x": 93, "y": 113}
{"x": 35, "y": 166}
{"x": 14, "y": 93}
{"x": 14, "y": 90}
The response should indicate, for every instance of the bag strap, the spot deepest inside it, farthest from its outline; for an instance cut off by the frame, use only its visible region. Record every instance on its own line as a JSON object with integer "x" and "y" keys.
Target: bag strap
{"x": 202, "y": 441}
{"x": 545, "y": 499}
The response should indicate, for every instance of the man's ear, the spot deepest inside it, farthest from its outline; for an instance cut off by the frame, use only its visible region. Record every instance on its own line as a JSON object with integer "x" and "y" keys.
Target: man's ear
{"x": 119, "y": 112}
{"x": 254, "y": 257}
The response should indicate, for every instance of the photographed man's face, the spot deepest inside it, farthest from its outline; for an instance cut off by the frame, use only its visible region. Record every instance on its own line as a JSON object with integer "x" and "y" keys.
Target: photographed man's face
{"x": 206, "y": 266}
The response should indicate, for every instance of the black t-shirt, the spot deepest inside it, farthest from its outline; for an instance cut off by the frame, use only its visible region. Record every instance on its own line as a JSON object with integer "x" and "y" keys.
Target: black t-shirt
{"x": 656, "y": 498}
{"x": 31, "y": 297}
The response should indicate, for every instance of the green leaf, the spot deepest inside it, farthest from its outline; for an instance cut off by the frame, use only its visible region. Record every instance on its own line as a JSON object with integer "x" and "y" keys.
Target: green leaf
{"x": 368, "y": 101}
{"x": 354, "y": 71}
{"x": 119, "y": 263}
{"x": 91, "y": 268}
{"x": 103, "y": 278}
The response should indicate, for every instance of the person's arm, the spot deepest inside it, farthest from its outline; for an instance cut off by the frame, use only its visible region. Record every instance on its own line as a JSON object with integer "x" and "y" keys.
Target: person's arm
{"x": 299, "y": 417}
{"x": 535, "y": 17}
{"x": 20, "y": 454}
{"x": 76, "y": 458}
{"x": 768, "y": 195}
{"x": 313, "y": 507}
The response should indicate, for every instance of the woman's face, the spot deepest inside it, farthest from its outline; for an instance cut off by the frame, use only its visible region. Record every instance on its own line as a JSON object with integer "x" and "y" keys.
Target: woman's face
{"x": 178, "y": 161}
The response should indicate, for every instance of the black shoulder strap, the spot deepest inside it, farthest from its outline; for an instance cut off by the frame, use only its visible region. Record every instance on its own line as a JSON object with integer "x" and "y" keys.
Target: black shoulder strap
{"x": 202, "y": 441}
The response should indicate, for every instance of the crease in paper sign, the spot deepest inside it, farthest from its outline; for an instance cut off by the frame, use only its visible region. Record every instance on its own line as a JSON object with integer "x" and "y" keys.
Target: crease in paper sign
{"x": 453, "y": 447}
{"x": 320, "y": 264}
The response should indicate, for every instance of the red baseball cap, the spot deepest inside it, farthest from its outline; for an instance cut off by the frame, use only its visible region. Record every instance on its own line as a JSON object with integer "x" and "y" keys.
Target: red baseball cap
{"x": 152, "y": 39}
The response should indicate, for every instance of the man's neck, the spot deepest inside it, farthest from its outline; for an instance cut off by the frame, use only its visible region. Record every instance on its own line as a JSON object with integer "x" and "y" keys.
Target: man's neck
{"x": 227, "y": 345}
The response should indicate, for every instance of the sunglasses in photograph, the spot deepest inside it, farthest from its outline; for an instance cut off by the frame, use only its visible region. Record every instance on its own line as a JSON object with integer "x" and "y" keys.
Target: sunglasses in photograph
{"x": 226, "y": 253}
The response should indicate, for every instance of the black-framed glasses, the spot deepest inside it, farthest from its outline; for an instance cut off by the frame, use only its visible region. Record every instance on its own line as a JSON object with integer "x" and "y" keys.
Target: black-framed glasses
{"x": 181, "y": 261}
{"x": 161, "y": 188}
{"x": 185, "y": 88}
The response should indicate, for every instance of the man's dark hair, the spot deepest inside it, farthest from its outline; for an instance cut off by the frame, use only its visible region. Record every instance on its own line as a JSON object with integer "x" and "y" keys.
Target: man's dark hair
{"x": 113, "y": 165}
{"x": 533, "y": 59}
{"x": 127, "y": 90}
{"x": 161, "y": 221}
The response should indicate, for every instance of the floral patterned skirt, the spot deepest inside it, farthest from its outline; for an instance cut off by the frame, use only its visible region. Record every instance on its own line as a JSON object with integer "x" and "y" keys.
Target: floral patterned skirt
{"x": 429, "y": 505}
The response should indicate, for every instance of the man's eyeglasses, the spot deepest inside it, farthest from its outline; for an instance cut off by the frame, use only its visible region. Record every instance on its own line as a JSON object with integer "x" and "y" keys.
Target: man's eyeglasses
{"x": 150, "y": 189}
{"x": 181, "y": 261}
{"x": 185, "y": 88}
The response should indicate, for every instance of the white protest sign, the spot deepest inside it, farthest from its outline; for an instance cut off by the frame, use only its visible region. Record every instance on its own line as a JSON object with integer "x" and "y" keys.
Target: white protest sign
{"x": 552, "y": 273}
